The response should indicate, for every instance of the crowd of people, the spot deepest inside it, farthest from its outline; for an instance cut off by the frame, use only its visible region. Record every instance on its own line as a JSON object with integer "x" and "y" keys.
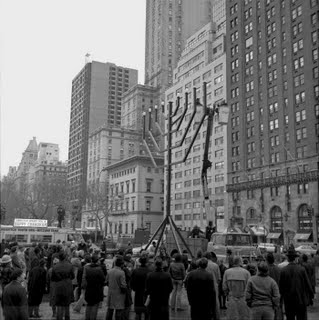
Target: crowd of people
{"x": 75, "y": 275}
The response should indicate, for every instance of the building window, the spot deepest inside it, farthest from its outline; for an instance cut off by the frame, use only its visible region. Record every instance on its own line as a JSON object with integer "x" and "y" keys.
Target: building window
{"x": 276, "y": 222}
{"x": 304, "y": 218}
{"x": 148, "y": 186}
{"x": 148, "y": 205}
{"x": 303, "y": 188}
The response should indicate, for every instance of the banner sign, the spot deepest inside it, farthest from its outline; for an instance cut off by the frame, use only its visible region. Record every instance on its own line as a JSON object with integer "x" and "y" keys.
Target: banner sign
{"x": 30, "y": 223}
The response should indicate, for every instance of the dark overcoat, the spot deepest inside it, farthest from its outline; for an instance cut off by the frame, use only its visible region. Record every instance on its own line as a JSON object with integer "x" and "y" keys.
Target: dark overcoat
{"x": 36, "y": 285}
{"x": 62, "y": 275}
{"x": 15, "y": 305}
{"x": 158, "y": 287}
{"x": 138, "y": 284}
{"x": 201, "y": 294}
{"x": 294, "y": 286}
{"x": 94, "y": 284}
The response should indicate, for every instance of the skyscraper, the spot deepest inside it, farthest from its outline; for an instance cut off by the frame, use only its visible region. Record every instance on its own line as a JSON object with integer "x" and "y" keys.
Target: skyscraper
{"x": 273, "y": 91}
{"x": 168, "y": 25}
{"x": 96, "y": 100}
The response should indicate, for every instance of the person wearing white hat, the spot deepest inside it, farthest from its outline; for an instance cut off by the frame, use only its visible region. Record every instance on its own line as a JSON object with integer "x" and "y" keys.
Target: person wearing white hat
{"x": 5, "y": 270}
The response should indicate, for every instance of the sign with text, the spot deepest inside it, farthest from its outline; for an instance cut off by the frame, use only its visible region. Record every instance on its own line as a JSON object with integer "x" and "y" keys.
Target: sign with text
{"x": 30, "y": 223}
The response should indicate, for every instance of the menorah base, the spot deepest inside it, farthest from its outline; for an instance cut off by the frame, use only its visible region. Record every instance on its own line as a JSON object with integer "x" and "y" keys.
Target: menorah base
{"x": 168, "y": 220}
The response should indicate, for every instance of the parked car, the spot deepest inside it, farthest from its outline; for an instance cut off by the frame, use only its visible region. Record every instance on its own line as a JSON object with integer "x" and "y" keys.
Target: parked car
{"x": 305, "y": 248}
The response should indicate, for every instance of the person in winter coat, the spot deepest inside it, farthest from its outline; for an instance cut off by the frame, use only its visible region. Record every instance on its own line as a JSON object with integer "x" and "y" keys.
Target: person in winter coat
{"x": 138, "y": 284}
{"x": 6, "y": 270}
{"x": 14, "y": 299}
{"x": 262, "y": 294}
{"x": 158, "y": 287}
{"x": 115, "y": 280}
{"x": 36, "y": 288}
{"x": 221, "y": 294}
{"x": 51, "y": 284}
{"x": 201, "y": 293}
{"x": 295, "y": 288}
{"x": 93, "y": 283}
{"x": 234, "y": 285}
{"x": 62, "y": 275}
{"x": 177, "y": 273}
{"x": 310, "y": 269}
{"x": 127, "y": 268}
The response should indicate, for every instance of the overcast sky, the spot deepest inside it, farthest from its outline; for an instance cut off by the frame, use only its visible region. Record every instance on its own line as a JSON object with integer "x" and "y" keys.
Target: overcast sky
{"x": 43, "y": 46}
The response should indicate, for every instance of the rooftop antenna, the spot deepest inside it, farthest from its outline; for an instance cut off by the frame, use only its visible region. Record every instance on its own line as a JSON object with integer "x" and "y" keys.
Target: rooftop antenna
{"x": 88, "y": 58}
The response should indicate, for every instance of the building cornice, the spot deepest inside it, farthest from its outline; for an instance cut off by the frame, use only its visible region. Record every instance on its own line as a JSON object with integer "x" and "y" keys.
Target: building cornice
{"x": 159, "y": 161}
{"x": 294, "y": 178}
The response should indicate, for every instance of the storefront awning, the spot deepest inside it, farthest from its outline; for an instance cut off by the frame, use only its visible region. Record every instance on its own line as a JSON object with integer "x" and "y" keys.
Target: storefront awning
{"x": 273, "y": 235}
{"x": 302, "y": 236}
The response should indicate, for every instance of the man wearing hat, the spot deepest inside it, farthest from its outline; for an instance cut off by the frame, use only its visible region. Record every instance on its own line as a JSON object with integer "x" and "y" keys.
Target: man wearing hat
{"x": 295, "y": 288}
{"x": 262, "y": 294}
{"x": 5, "y": 270}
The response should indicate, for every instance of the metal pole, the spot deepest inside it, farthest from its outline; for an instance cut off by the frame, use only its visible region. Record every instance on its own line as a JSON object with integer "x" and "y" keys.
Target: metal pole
{"x": 169, "y": 160}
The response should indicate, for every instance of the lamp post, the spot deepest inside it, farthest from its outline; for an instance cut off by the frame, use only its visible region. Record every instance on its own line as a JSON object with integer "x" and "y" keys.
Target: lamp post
{"x": 173, "y": 125}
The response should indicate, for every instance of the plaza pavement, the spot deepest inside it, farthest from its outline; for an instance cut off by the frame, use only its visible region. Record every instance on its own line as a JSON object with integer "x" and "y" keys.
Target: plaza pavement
{"x": 45, "y": 311}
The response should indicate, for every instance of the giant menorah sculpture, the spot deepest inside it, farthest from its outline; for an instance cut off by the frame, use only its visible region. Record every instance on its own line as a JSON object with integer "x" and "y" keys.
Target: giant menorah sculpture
{"x": 173, "y": 125}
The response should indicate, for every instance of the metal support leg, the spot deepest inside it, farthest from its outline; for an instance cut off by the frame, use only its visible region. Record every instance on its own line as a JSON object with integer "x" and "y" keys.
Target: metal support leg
{"x": 174, "y": 234}
{"x": 183, "y": 240}
{"x": 164, "y": 222}
{"x": 160, "y": 237}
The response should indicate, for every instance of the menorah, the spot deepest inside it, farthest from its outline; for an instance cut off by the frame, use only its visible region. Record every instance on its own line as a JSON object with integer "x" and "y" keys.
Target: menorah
{"x": 173, "y": 125}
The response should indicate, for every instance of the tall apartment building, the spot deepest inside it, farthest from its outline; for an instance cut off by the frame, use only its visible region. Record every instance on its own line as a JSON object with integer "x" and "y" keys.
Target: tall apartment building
{"x": 202, "y": 60}
{"x": 273, "y": 92}
{"x": 168, "y": 25}
{"x": 96, "y": 100}
{"x": 219, "y": 14}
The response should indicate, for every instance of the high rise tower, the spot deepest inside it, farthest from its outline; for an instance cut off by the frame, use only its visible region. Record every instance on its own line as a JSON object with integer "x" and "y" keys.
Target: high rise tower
{"x": 273, "y": 92}
{"x": 96, "y": 100}
{"x": 168, "y": 25}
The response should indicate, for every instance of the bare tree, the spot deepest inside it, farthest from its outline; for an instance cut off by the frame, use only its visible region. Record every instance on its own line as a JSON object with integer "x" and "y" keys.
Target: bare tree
{"x": 97, "y": 204}
{"x": 38, "y": 200}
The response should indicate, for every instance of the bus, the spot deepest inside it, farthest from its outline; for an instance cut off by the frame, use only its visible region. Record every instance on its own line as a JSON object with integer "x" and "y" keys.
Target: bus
{"x": 26, "y": 235}
{"x": 234, "y": 239}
